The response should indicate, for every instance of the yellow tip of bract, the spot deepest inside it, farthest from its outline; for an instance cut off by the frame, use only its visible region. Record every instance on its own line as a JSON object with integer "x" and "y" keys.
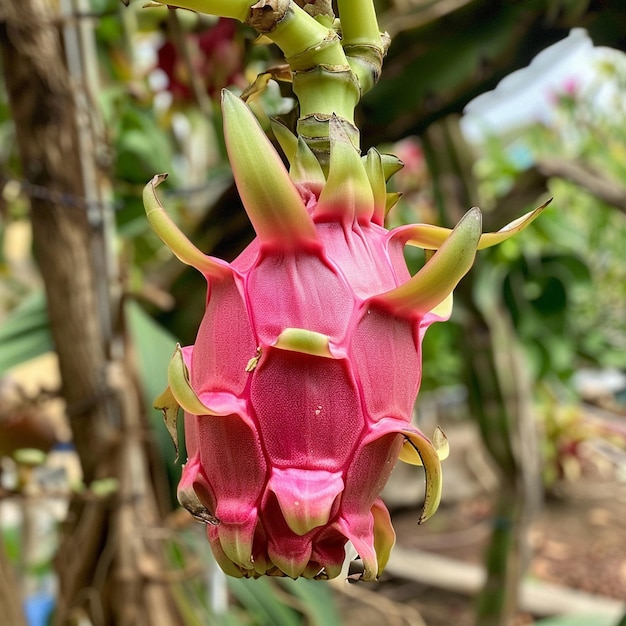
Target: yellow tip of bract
{"x": 269, "y": 196}
{"x": 431, "y": 237}
{"x": 514, "y": 227}
{"x": 419, "y": 447}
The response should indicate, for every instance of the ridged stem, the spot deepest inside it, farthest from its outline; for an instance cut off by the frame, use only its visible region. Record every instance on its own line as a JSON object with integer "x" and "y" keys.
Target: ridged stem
{"x": 329, "y": 74}
{"x": 362, "y": 41}
{"x": 302, "y": 37}
{"x": 358, "y": 23}
{"x": 322, "y": 77}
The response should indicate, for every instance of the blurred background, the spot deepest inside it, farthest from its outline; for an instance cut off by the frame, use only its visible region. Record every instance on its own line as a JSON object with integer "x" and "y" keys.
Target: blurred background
{"x": 497, "y": 104}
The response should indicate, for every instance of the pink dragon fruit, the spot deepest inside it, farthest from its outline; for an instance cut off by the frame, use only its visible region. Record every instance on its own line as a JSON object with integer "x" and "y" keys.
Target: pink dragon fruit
{"x": 299, "y": 390}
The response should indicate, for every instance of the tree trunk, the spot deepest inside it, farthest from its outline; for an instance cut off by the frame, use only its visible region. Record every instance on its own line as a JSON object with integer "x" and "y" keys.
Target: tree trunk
{"x": 500, "y": 399}
{"x": 43, "y": 110}
{"x": 110, "y": 566}
{"x": 42, "y": 104}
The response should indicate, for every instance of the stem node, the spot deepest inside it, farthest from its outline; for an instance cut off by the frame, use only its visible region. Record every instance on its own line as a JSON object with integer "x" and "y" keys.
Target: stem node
{"x": 265, "y": 15}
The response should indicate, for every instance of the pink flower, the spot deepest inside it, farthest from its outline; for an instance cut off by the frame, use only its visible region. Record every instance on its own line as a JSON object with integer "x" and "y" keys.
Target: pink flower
{"x": 299, "y": 389}
{"x": 216, "y": 57}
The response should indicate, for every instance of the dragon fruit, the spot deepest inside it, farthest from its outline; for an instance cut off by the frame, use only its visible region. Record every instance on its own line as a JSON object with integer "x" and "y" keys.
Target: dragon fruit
{"x": 298, "y": 392}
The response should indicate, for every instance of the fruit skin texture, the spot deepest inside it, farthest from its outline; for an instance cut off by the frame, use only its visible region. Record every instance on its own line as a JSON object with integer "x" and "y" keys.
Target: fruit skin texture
{"x": 298, "y": 392}
{"x": 309, "y": 439}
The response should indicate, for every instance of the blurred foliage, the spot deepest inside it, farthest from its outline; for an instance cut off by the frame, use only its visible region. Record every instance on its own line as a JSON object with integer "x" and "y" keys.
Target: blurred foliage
{"x": 566, "y": 289}
{"x": 569, "y": 441}
{"x": 563, "y": 280}
{"x": 25, "y": 333}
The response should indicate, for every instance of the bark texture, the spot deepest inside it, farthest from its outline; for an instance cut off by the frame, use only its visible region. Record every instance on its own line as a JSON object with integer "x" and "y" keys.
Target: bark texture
{"x": 10, "y": 606}
{"x": 110, "y": 562}
{"x": 42, "y": 103}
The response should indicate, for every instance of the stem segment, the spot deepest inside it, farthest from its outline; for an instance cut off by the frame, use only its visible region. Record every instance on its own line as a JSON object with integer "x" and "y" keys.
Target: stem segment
{"x": 358, "y": 23}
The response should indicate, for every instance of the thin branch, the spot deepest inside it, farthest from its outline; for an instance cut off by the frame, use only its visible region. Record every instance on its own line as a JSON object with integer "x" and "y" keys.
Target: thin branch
{"x": 589, "y": 178}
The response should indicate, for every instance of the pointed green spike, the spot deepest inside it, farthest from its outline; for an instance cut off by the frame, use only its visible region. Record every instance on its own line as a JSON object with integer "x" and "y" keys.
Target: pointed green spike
{"x": 347, "y": 194}
{"x": 174, "y": 238}
{"x": 440, "y": 275}
{"x": 306, "y": 169}
{"x": 269, "y": 196}
{"x": 375, "y": 172}
{"x": 285, "y": 138}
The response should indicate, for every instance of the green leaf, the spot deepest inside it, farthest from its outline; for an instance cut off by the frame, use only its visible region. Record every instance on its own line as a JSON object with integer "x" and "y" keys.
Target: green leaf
{"x": 153, "y": 347}
{"x": 317, "y": 601}
{"x": 25, "y": 333}
{"x": 260, "y": 600}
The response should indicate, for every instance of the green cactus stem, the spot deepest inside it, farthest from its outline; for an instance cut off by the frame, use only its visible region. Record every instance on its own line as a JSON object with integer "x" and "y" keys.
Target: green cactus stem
{"x": 332, "y": 64}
